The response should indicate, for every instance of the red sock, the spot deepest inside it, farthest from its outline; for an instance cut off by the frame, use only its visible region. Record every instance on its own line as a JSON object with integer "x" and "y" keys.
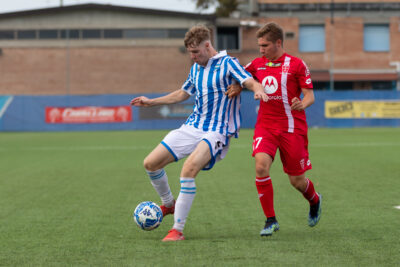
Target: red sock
{"x": 266, "y": 195}
{"x": 310, "y": 193}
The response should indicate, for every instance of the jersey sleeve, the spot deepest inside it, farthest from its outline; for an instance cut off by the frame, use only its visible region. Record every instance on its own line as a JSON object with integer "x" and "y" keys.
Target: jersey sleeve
{"x": 251, "y": 68}
{"x": 237, "y": 71}
{"x": 303, "y": 76}
{"x": 188, "y": 85}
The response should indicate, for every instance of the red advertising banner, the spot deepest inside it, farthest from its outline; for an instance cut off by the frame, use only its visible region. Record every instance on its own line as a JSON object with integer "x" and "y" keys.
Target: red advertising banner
{"x": 88, "y": 114}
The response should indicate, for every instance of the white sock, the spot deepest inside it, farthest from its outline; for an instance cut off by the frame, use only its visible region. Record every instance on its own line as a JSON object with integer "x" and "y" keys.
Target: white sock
{"x": 184, "y": 202}
{"x": 159, "y": 180}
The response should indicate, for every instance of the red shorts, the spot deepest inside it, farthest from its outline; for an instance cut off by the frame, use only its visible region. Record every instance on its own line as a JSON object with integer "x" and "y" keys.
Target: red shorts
{"x": 293, "y": 149}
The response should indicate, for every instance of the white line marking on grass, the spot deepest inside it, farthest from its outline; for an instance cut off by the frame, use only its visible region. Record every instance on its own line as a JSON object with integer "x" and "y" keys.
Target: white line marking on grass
{"x": 397, "y": 207}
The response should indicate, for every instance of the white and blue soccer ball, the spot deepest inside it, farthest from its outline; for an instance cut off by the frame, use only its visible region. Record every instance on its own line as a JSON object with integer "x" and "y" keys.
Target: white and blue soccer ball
{"x": 148, "y": 215}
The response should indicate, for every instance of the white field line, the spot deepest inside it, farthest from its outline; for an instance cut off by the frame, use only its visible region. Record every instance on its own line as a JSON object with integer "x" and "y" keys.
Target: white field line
{"x": 132, "y": 148}
{"x": 397, "y": 207}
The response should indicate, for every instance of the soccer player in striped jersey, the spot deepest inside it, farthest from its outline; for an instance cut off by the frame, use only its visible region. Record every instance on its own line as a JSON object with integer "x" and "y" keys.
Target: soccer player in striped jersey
{"x": 204, "y": 137}
{"x": 281, "y": 123}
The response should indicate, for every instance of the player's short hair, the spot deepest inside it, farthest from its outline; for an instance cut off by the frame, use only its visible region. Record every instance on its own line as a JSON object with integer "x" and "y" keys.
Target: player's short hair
{"x": 272, "y": 31}
{"x": 196, "y": 35}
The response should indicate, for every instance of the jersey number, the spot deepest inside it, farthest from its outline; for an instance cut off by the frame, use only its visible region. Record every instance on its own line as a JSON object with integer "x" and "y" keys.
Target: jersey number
{"x": 256, "y": 142}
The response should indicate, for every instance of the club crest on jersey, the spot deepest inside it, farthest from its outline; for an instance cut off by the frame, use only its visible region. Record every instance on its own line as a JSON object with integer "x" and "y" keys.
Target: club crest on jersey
{"x": 270, "y": 84}
{"x": 285, "y": 68}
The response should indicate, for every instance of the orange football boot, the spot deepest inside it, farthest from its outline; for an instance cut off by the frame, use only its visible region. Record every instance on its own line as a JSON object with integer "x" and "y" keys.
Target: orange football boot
{"x": 173, "y": 235}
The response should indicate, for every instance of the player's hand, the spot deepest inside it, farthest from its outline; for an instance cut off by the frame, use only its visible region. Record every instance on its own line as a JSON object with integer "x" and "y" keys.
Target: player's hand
{"x": 233, "y": 90}
{"x": 297, "y": 104}
{"x": 141, "y": 101}
{"x": 260, "y": 94}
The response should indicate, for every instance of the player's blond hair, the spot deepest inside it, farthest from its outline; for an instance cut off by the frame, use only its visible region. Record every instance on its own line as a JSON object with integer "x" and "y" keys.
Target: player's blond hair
{"x": 196, "y": 35}
{"x": 272, "y": 31}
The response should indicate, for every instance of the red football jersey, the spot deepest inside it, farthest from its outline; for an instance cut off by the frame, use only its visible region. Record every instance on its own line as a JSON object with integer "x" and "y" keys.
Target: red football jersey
{"x": 282, "y": 80}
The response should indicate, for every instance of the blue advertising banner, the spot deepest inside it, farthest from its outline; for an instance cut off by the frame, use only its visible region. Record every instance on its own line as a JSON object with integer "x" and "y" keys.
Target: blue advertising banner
{"x": 28, "y": 113}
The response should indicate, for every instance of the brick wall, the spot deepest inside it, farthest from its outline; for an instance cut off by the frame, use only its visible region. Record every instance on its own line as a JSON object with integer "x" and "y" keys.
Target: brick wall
{"x": 150, "y": 69}
{"x": 348, "y": 45}
{"x": 82, "y": 71}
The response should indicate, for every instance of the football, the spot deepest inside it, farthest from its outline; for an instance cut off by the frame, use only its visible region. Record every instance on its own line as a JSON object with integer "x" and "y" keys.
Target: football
{"x": 148, "y": 215}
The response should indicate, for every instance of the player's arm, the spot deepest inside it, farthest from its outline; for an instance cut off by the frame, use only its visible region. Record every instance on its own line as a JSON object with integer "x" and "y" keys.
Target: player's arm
{"x": 174, "y": 97}
{"x": 233, "y": 90}
{"x": 257, "y": 89}
{"x": 308, "y": 100}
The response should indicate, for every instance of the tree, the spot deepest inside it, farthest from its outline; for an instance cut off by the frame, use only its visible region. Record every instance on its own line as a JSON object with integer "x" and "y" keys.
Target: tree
{"x": 224, "y": 7}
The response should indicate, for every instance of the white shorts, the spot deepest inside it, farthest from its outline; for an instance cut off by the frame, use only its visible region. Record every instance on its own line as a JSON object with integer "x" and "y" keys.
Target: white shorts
{"x": 183, "y": 141}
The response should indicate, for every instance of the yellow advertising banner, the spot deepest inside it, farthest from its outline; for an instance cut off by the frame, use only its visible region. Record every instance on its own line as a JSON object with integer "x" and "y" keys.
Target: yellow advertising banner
{"x": 362, "y": 109}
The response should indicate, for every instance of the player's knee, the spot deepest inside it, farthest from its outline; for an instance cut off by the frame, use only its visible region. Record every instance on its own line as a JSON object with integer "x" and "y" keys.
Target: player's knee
{"x": 297, "y": 182}
{"x": 189, "y": 169}
{"x": 149, "y": 165}
{"x": 261, "y": 170}
{"x": 294, "y": 183}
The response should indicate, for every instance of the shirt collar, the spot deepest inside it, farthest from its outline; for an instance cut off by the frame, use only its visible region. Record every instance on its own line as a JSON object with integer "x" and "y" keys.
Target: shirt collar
{"x": 220, "y": 54}
{"x": 217, "y": 56}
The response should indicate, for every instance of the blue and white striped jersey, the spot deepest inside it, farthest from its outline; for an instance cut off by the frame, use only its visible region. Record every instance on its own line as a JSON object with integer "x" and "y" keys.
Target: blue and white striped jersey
{"x": 213, "y": 110}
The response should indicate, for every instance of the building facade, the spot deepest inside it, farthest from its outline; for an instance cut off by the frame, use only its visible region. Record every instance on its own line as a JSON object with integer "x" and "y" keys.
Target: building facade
{"x": 104, "y": 49}
{"x": 346, "y": 44}
{"x": 94, "y": 49}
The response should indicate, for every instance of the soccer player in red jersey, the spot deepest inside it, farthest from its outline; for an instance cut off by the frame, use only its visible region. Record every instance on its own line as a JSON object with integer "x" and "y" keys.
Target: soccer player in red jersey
{"x": 281, "y": 123}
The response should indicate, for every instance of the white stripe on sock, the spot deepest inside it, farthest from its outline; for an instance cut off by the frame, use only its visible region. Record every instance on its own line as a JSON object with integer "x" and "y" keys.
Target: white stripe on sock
{"x": 263, "y": 180}
{"x": 184, "y": 202}
{"x": 159, "y": 180}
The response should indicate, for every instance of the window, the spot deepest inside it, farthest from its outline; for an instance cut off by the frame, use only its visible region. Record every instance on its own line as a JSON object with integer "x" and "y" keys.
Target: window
{"x": 374, "y": 85}
{"x": 177, "y": 33}
{"x": 321, "y": 85}
{"x": 376, "y": 38}
{"x": 174, "y": 33}
{"x": 113, "y": 34}
{"x": 289, "y": 35}
{"x": 69, "y": 34}
{"x": 91, "y": 34}
{"x": 146, "y": 33}
{"x": 48, "y": 34}
{"x": 154, "y": 33}
{"x": 312, "y": 38}
{"x": 341, "y": 86}
{"x": 26, "y": 34}
{"x": 383, "y": 85}
{"x": 6, "y": 35}
{"x": 228, "y": 38}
